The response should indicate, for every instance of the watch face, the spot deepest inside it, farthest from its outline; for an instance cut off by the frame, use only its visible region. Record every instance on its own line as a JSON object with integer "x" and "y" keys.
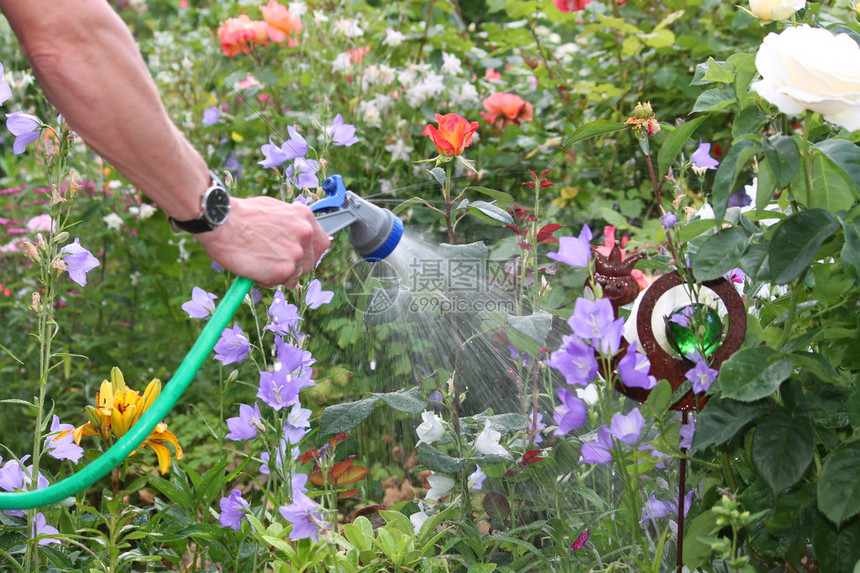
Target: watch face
{"x": 217, "y": 205}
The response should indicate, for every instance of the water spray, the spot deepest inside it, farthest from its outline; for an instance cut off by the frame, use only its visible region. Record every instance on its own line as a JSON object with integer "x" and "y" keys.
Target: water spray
{"x": 374, "y": 233}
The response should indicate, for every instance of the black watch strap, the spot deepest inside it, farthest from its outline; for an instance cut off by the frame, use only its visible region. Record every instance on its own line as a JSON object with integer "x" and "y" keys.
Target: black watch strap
{"x": 214, "y": 205}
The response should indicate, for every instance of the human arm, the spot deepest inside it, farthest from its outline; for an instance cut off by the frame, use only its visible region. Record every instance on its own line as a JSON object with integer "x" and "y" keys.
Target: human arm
{"x": 89, "y": 67}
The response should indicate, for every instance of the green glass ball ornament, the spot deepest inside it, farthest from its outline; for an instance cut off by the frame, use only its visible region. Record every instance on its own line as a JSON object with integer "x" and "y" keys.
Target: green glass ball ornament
{"x": 694, "y": 327}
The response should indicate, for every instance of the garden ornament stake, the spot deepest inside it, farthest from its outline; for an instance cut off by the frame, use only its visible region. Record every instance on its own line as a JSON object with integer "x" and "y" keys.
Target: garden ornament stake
{"x": 614, "y": 275}
{"x": 374, "y": 233}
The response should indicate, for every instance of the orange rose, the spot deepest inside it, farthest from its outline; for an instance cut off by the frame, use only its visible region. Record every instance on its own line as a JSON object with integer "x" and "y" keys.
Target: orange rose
{"x": 453, "y": 135}
{"x": 504, "y": 109}
{"x": 240, "y": 35}
{"x": 282, "y": 24}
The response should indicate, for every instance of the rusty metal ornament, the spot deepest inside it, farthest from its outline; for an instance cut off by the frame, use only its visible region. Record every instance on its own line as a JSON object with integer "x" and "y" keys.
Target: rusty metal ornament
{"x": 610, "y": 275}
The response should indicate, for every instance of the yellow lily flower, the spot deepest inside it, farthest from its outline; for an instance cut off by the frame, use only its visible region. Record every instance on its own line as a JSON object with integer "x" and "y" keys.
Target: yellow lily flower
{"x": 118, "y": 408}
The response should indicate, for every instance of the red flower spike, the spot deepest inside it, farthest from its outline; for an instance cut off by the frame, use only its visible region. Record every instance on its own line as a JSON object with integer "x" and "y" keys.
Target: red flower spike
{"x": 545, "y": 172}
{"x": 546, "y": 183}
{"x": 339, "y": 438}
{"x": 531, "y": 457}
{"x": 308, "y": 456}
{"x": 580, "y": 540}
{"x": 531, "y": 184}
{"x": 545, "y": 233}
{"x": 341, "y": 473}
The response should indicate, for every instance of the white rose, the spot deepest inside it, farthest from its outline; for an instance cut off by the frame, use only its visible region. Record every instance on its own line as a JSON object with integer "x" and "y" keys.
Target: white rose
{"x": 810, "y": 68}
{"x": 775, "y": 10}
{"x": 430, "y": 429}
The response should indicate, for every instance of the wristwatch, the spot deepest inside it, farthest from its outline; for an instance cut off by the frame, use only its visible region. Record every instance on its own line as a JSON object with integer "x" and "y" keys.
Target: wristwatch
{"x": 215, "y": 204}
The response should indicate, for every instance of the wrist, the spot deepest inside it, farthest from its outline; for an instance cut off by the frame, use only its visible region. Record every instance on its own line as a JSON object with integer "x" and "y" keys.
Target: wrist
{"x": 212, "y": 211}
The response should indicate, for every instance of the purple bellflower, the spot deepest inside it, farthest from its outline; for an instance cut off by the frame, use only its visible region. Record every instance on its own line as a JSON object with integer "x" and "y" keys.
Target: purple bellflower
{"x": 342, "y": 133}
{"x": 634, "y": 368}
{"x": 233, "y": 346}
{"x": 14, "y": 478}
{"x": 570, "y": 414}
{"x": 315, "y": 296}
{"x": 201, "y": 304}
{"x": 79, "y": 260}
{"x": 476, "y": 478}
{"x": 599, "y": 451}
{"x": 281, "y": 388}
{"x": 303, "y": 173}
{"x": 538, "y": 427}
{"x": 280, "y": 456}
{"x": 245, "y": 426}
{"x": 293, "y": 148}
{"x": 702, "y": 159}
{"x": 595, "y": 321}
{"x": 233, "y": 508}
{"x": 41, "y": 527}
{"x": 668, "y": 220}
{"x": 62, "y": 447}
{"x": 297, "y": 424}
{"x": 574, "y": 251}
{"x": 25, "y": 127}
{"x": 575, "y": 360}
{"x": 292, "y": 357}
{"x": 5, "y": 90}
{"x": 211, "y": 115}
{"x": 701, "y": 375}
{"x": 687, "y": 432}
{"x": 303, "y": 514}
{"x": 283, "y": 316}
{"x": 627, "y": 428}
{"x": 654, "y": 509}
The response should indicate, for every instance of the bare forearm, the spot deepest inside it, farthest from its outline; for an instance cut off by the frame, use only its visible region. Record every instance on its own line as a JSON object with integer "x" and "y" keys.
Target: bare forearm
{"x": 90, "y": 69}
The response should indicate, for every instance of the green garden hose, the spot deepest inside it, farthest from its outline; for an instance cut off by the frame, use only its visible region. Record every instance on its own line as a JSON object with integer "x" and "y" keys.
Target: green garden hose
{"x": 147, "y": 422}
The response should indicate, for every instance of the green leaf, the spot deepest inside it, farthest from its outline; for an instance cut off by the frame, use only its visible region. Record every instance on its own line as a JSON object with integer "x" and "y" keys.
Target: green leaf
{"x": 831, "y": 188}
{"x": 766, "y": 186}
{"x": 476, "y": 250}
{"x": 783, "y": 157}
{"x": 715, "y": 72}
{"x": 433, "y": 459}
{"x": 839, "y": 483}
{"x": 407, "y": 400}
{"x": 727, "y": 174}
{"x": 851, "y": 249}
{"x": 722, "y": 419}
{"x": 696, "y": 549}
{"x": 783, "y": 447}
{"x": 658, "y": 400}
{"x": 593, "y": 129}
{"x": 536, "y": 325}
{"x": 409, "y": 202}
{"x": 720, "y": 253}
{"x": 846, "y": 155}
{"x": 748, "y": 121}
{"x": 490, "y": 213}
{"x": 344, "y": 417}
{"x": 852, "y": 409}
{"x": 9, "y": 352}
{"x": 796, "y": 241}
{"x": 715, "y": 99}
{"x": 504, "y": 200}
{"x": 837, "y": 548}
{"x": 754, "y": 373}
{"x": 438, "y": 174}
{"x": 754, "y": 262}
{"x": 505, "y": 423}
{"x": 675, "y": 142}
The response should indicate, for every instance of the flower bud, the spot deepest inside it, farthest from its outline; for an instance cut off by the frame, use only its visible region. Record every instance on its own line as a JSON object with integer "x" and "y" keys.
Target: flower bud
{"x": 60, "y": 237}
{"x": 56, "y": 196}
{"x": 31, "y": 252}
{"x": 117, "y": 380}
{"x": 36, "y": 302}
{"x": 59, "y": 264}
{"x": 74, "y": 186}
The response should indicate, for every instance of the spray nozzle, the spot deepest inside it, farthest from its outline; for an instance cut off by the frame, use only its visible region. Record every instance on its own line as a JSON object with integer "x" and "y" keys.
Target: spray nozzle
{"x": 373, "y": 231}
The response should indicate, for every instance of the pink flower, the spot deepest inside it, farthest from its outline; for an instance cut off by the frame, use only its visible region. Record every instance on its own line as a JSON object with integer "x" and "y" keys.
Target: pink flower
{"x": 282, "y": 25}
{"x": 240, "y": 35}
{"x": 571, "y": 5}
{"x": 39, "y": 223}
{"x": 580, "y": 540}
{"x": 504, "y": 109}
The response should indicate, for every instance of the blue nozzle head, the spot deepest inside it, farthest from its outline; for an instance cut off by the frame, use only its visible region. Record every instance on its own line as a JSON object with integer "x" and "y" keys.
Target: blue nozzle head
{"x": 373, "y": 231}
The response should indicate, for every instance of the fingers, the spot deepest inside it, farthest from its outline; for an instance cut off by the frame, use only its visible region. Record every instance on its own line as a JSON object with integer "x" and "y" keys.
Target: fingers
{"x": 269, "y": 241}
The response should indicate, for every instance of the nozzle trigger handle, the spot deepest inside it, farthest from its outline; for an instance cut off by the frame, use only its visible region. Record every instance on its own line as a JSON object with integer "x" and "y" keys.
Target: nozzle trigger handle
{"x": 335, "y": 195}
